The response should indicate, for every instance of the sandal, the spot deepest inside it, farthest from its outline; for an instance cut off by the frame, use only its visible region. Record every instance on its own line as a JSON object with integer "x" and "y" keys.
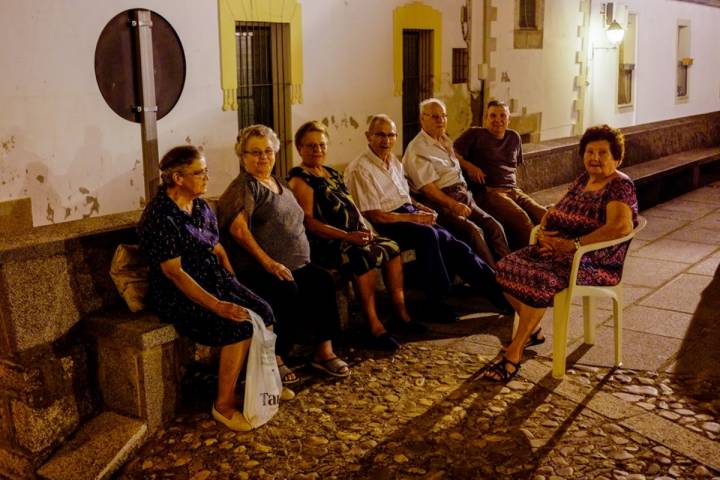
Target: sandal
{"x": 332, "y": 366}
{"x": 498, "y": 371}
{"x": 535, "y": 339}
{"x": 287, "y": 375}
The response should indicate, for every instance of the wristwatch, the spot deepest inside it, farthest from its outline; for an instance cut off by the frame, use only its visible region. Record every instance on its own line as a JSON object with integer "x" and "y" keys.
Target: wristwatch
{"x": 576, "y": 241}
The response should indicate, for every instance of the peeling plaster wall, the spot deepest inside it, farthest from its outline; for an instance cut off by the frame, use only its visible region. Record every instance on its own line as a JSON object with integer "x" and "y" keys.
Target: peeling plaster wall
{"x": 63, "y": 147}
{"x": 60, "y": 144}
{"x": 348, "y": 58}
{"x": 540, "y": 79}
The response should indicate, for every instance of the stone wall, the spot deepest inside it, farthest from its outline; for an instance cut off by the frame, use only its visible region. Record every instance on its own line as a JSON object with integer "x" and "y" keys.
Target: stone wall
{"x": 556, "y": 162}
{"x": 50, "y": 278}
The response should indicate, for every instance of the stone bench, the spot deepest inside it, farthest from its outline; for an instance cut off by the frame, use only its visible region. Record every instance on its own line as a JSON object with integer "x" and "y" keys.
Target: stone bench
{"x": 646, "y": 173}
{"x": 665, "y": 158}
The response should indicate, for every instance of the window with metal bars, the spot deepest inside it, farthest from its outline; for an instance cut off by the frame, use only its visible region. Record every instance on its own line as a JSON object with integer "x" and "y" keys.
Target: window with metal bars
{"x": 527, "y": 14}
{"x": 263, "y": 94}
{"x": 417, "y": 78}
{"x": 459, "y": 65}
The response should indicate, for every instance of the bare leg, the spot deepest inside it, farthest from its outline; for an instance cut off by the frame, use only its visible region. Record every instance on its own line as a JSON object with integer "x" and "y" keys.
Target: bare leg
{"x": 365, "y": 289}
{"x": 529, "y": 320}
{"x": 393, "y": 275}
{"x": 232, "y": 358}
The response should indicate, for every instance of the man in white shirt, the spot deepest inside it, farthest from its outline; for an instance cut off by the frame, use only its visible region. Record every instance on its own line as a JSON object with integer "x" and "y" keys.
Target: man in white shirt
{"x": 378, "y": 186}
{"x": 434, "y": 173}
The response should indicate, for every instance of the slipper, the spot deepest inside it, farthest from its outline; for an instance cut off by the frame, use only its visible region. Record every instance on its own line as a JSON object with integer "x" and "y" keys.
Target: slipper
{"x": 498, "y": 371}
{"x": 286, "y": 372}
{"x": 237, "y": 423}
{"x": 286, "y": 394}
{"x": 332, "y": 366}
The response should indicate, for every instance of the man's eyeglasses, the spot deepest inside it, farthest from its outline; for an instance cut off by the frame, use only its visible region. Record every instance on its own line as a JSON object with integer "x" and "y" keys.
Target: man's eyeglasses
{"x": 436, "y": 116}
{"x": 392, "y": 135}
{"x": 316, "y": 146}
{"x": 267, "y": 153}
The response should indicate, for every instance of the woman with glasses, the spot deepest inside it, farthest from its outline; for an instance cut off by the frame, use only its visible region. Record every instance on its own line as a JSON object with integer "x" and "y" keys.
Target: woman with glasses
{"x": 192, "y": 283}
{"x": 341, "y": 237}
{"x": 262, "y": 226}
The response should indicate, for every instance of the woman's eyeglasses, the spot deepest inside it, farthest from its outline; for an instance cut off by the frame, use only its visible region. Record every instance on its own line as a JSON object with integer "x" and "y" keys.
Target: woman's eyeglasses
{"x": 260, "y": 153}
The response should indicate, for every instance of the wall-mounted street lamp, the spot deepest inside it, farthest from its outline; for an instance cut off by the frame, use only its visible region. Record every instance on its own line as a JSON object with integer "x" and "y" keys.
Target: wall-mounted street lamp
{"x": 615, "y": 33}
{"x": 613, "y": 30}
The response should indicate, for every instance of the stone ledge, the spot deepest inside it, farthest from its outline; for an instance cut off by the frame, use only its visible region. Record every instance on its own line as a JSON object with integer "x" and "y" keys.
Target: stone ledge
{"x": 97, "y": 450}
{"x": 53, "y": 239}
{"x": 141, "y": 330}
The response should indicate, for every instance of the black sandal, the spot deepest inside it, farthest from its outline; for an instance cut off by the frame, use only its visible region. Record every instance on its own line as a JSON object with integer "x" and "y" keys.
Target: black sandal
{"x": 535, "y": 339}
{"x": 498, "y": 371}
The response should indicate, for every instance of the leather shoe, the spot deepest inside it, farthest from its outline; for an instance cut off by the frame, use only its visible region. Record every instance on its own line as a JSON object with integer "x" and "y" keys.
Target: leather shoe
{"x": 440, "y": 313}
{"x": 411, "y": 326}
{"x": 384, "y": 341}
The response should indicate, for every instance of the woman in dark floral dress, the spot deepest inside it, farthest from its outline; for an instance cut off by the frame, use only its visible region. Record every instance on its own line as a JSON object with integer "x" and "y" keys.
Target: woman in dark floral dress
{"x": 341, "y": 238}
{"x": 192, "y": 284}
{"x": 600, "y": 205}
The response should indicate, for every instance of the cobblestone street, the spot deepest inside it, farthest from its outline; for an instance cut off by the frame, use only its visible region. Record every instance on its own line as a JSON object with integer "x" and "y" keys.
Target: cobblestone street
{"x": 421, "y": 414}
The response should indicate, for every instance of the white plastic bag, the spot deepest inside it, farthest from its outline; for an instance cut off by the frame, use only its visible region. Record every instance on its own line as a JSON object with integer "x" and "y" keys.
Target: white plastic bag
{"x": 263, "y": 384}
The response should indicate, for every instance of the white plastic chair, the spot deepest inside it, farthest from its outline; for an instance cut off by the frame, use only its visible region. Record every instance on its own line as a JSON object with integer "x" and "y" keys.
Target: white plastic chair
{"x": 563, "y": 299}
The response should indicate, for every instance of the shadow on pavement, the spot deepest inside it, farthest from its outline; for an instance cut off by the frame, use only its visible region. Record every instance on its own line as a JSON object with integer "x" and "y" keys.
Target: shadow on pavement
{"x": 698, "y": 358}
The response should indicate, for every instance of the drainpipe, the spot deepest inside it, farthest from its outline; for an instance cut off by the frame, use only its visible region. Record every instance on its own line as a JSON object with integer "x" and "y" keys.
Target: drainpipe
{"x": 476, "y": 94}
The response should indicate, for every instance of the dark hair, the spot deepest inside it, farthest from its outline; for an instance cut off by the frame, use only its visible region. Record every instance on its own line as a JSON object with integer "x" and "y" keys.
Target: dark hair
{"x": 175, "y": 159}
{"x": 605, "y": 132}
{"x": 497, "y": 103}
{"x": 307, "y": 127}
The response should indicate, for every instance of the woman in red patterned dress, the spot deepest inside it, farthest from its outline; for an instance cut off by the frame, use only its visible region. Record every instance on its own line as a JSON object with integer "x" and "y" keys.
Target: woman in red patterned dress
{"x": 600, "y": 205}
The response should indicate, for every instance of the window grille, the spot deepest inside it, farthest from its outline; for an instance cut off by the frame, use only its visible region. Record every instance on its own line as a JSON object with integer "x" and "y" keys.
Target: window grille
{"x": 527, "y": 14}
{"x": 460, "y": 65}
{"x": 417, "y": 78}
{"x": 263, "y": 94}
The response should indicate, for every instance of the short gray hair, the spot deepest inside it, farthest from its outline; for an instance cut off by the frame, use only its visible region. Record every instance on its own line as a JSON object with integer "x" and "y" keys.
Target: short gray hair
{"x": 379, "y": 117}
{"x": 431, "y": 101}
{"x": 256, "y": 130}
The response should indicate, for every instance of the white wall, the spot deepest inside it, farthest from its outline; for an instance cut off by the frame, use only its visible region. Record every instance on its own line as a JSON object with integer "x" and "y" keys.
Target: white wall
{"x": 61, "y": 145}
{"x": 541, "y": 79}
{"x": 348, "y": 59}
{"x": 655, "y": 77}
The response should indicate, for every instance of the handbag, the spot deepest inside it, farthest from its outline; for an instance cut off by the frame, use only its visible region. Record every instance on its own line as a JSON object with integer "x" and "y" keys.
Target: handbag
{"x": 263, "y": 384}
{"x": 130, "y": 272}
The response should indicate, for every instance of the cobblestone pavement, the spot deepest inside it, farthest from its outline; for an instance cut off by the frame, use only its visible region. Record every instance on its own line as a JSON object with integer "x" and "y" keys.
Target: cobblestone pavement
{"x": 420, "y": 414}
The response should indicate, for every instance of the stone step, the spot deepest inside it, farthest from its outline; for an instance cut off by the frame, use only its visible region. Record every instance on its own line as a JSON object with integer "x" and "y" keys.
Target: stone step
{"x": 99, "y": 449}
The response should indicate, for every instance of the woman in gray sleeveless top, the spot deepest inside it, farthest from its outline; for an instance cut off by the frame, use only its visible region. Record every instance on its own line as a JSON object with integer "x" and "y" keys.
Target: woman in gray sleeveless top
{"x": 262, "y": 224}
